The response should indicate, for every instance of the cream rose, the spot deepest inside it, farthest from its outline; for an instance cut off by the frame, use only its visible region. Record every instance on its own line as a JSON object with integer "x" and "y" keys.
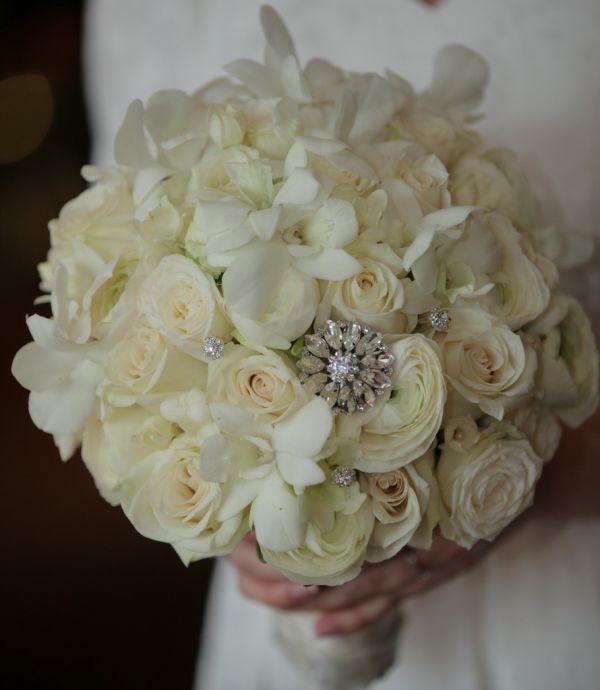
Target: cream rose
{"x": 184, "y": 304}
{"x": 484, "y": 488}
{"x": 486, "y": 362}
{"x": 569, "y": 360}
{"x": 399, "y": 500}
{"x": 402, "y": 427}
{"x": 143, "y": 363}
{"x": 167, "y": 499}
{"x": 262, "y": 383}
{"x": 374, "y": 297}
{"x": 494, "y": 179}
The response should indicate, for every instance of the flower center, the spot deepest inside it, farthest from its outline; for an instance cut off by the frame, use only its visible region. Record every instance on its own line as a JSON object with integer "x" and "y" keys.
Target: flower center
{"x": 343, "y": 367}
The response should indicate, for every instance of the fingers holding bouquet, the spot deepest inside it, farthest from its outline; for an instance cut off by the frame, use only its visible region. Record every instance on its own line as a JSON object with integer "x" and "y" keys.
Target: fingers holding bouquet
{"x": 349, "y": 607}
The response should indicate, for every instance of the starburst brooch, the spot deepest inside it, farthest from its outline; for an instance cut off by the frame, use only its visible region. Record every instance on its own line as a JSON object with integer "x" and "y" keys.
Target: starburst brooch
{"x": 347, "y": 364}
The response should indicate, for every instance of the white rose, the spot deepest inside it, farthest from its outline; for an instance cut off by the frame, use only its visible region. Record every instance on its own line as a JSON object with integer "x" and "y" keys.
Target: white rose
{"x": 484, "y": 488}
{"x": 569, "y": 360}
{"x": 402, "y": 427}
{"x": 184, "y": 304}
{"x": 119, "y": 438}
{"x": 85, "y": 290}
{"x": 374, "y": 296}
{"x": 489, "y": 264}
{"x": 260, "y": 382}
{"x": 337, "y": 536}
{"x": 399, "y": 500}
{"x": 494, "y": 180}
{"x": 143, "y": 363}
{"x": 486, "y": 362}
{"x": 436, "y": 134}
{"x": 101, "y": 216}
{"x": 270, "y": 302}
{"x": 541, "y": 428}
{"x": 428, "y": 178}
{"x": 167, "y": 499}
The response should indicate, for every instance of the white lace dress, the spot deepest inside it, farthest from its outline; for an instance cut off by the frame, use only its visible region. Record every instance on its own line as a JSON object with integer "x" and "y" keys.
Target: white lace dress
{"x": 528, "y": 618}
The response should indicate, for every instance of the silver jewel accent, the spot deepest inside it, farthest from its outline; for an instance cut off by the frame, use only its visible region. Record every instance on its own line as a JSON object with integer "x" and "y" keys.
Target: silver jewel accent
{"x": 439, "y": 318}
{"x": 347, "y": 364}
{"x": 343, "y": 476}
{"x": 213, "y": 347}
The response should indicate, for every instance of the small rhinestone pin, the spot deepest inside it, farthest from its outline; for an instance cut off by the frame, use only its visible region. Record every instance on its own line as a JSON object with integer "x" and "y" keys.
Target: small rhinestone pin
{"x": 439, "y": 318}
{"x": 343, "y": 476}
{"x": 213, "y": 347}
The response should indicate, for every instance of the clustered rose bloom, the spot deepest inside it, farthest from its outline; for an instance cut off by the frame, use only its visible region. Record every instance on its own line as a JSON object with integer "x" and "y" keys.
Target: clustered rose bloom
{"x": 254, "y": 211}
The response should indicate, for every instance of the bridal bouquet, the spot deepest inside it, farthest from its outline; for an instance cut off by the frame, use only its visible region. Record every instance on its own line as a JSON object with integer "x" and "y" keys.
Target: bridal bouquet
{"x": 311, "y": 304}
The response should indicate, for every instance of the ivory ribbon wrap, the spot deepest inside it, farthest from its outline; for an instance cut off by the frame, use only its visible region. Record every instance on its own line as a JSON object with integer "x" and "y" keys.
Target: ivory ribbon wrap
{"x": 340, "y": 662}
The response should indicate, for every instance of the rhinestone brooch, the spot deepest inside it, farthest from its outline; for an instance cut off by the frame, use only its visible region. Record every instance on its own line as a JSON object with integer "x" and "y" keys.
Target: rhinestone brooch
{"x": 213, "y": 347}
{"x": 439, "y": 318}
{"x": 343, "y": 476}
{"x": 347, "y": 364}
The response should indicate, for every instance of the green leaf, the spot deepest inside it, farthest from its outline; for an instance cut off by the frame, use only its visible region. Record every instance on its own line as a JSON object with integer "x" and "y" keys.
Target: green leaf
{"x": 259, "y": 554}
{"x": 296, "y": 348}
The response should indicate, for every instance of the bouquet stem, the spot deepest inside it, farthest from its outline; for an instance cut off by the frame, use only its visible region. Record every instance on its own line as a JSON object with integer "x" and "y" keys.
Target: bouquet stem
{"x": 338, "y": 662}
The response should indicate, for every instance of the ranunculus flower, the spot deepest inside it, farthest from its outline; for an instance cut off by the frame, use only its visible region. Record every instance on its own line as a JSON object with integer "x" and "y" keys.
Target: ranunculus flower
{"x": 401, "y": 427}
{"x": 485, "y": 487}
{"x": 569, "y": 360}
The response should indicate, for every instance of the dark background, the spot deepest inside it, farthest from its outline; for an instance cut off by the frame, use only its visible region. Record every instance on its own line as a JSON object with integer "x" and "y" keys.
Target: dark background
{"x": 86, "y": 603}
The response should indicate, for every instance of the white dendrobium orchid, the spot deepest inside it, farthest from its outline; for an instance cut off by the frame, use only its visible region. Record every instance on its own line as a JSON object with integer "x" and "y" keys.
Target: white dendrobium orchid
{"x": 314, "y": 230}
{"x": 62, "y": 377}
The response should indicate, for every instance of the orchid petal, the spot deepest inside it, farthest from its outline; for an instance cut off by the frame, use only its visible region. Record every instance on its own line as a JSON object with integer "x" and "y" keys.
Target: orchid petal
{"x": 277, "y": 516}
{"x": 301, "y": 187}
{"x": 329, "y": 264}
{"x": 131, "y": 148}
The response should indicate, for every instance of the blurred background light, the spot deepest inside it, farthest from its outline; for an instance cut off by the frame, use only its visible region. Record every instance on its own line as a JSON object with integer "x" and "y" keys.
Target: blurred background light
{"x": 26, "y": 109}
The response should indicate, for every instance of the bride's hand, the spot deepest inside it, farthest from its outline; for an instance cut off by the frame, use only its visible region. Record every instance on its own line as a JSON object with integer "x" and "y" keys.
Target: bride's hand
{"x": 263, "y": 583}
{"x": 366, "y": 598}
{"x": 382, "y": 586}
